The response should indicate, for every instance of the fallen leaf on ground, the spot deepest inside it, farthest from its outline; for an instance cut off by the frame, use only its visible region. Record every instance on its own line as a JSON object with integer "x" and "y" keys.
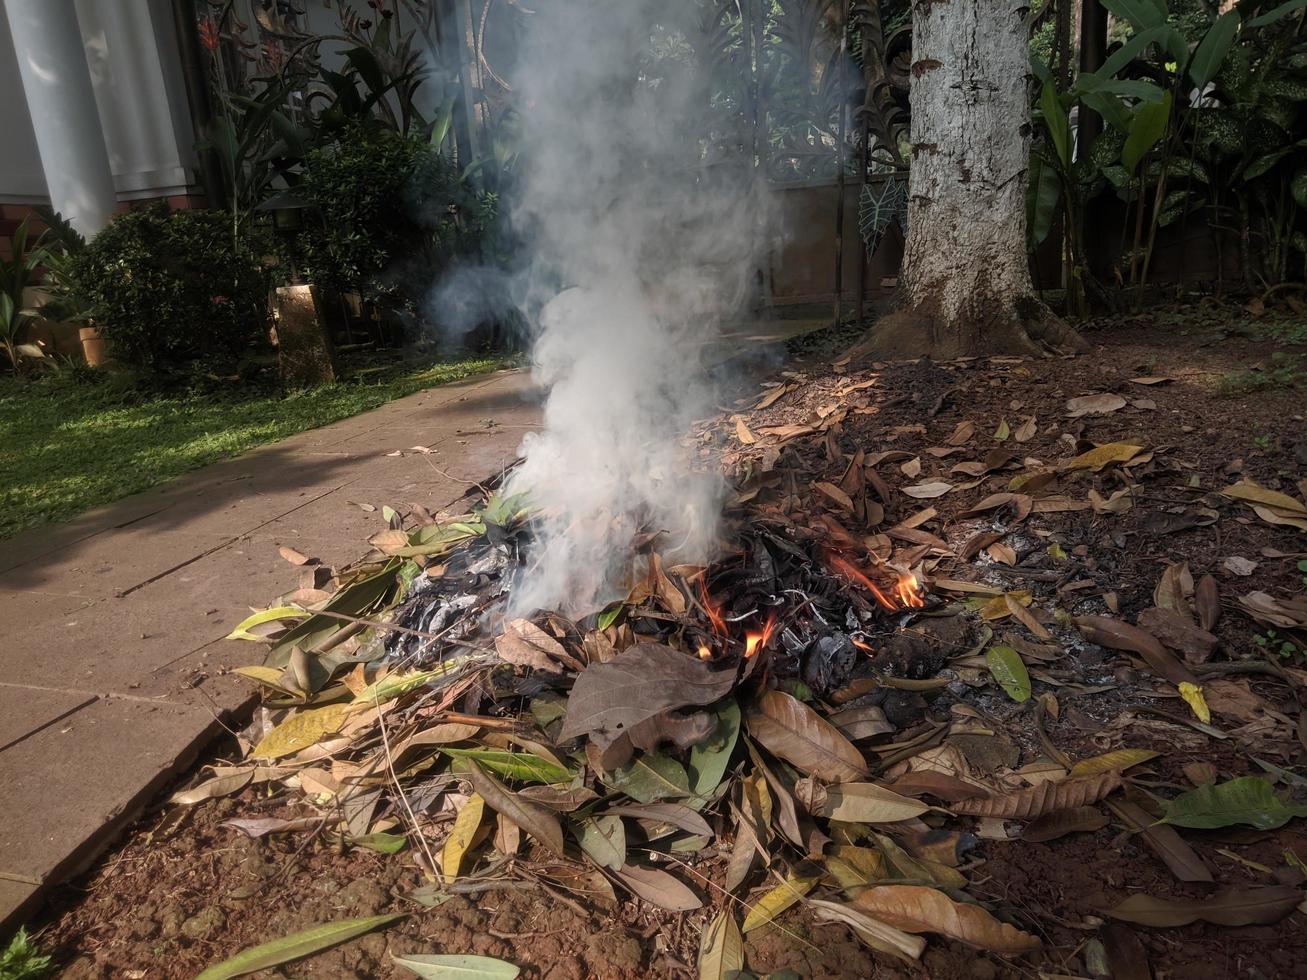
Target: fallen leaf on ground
{"x": 659, "y": 888}
{"x": 873, "y": 932}
{"x": 526, "y": 645}
{"x": 776, "y": 901}
{"x": 721, "y": 948}
{"x": 1100, "y": 404}
{"x": 1059, "y": 823}
{"x": 461, "y": 835}
{"x": 1242, "y": 567}
{"x": 637, "y": 684}
{"x": 1103, "y": 456}
{"x": 1009, "y": 670}
{"x": 295, "y": 946}
{"x": 1168, "y": 845}
{"x": 1117, "y": 761}
{"x": 1113, "y": 633}
{"x": 1035, "y": 801}
{"x": 293, "y": 556}
{"x": 1247, "y": 800}
{"x": 456, "y": 966}
{"x": 1179, "y": 633}
{"x": 927, "y": 491}
{"x": 791, "y": 730}
{"x": 1228, "y": 907}
{"x": 868, "y": 803}
{"x": 916, "y": 908}
{"x": 962, "y": 434}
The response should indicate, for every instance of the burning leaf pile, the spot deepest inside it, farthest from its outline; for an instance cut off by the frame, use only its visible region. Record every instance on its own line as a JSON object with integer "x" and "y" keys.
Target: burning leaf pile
{"x": 843, "y": 713}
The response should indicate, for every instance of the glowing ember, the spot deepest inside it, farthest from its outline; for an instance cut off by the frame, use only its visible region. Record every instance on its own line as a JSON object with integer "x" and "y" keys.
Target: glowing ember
{"x": 704, "y": 652}
{"x": 755, "y": 641}
{"x": 906, "y": 594}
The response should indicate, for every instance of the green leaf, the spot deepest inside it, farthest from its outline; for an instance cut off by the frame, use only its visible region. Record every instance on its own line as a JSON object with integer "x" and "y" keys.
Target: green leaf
{"x": 709, "y": 759}
{"x": 1247, "y": 800}
{"x": 1057, "y": 122}
{"x": 1283, "y": 10}
{"x": 515, "y": 765}
{"x": 262, "y": 618}
{"x": 1147, "y": 127}
{"x": 1042, "y": 196}
{"x": 441, "y": 966}
{"x": 604, "y": 839}
{"x": 653, "y": 776}
{"x": 1299, "y": 187}
{"x": 295, "y": 946}
{"x": 1010, "y": 671}
{"x": 1141, "y": 14}
{"x": 609, "y": 615}
{"x": 1213, "y": 48}
{"x": 381, "y": 843}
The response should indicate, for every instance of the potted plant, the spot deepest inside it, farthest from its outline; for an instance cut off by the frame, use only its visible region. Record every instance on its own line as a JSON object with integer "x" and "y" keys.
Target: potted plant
{"x": 16, "y": 274}
{"x": 66, "y": 303}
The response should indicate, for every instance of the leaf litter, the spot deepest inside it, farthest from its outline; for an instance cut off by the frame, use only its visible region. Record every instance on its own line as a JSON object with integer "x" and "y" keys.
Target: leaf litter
{"x": 701, "y": 735}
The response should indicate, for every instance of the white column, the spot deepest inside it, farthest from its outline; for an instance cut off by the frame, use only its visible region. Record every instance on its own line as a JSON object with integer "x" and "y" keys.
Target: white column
{"x": 61, "y": 101}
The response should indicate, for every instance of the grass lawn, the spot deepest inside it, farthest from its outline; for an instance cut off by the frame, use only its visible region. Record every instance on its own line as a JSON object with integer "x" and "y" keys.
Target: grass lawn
{"x": 66, "y": 447}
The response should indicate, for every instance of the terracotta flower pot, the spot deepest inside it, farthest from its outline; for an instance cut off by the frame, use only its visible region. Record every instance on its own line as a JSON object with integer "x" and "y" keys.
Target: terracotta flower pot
{"x": 95, "y": 348}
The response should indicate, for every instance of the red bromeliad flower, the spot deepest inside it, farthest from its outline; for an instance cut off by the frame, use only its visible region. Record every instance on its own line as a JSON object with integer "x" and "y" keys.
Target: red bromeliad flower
{"x": 210, "y": 36}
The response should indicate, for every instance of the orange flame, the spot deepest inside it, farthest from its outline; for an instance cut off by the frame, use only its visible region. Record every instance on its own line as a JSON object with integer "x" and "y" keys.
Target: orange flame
{"x": 755, "y": 641}
{"x": 909, "y": 592}
{"x": 906, "y": 594}
{"x": 713, "y": 610}
{"x": 704, "y": 652}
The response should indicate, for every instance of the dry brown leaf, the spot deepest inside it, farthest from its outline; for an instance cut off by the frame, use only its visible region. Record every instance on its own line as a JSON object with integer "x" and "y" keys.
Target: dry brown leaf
{"x": 1163, "y": 840}
{"x": 293, "y": 556}
{"x": 1267, "y": 609}
{"x": 1059, "y": 823}
{"x": 1027, "y": 430}
{"x": 916, "y": 908}
{"x": 1179, "y": 633}
{"x": 1035, "y": 801}
{"x": 1207, "y": 601}
{"x": 927, "y": 491}
{"x": 1174, "y": 588}
{"x": 1252, "y": 492}
{"x": 743, "y": 433}
{"x": 791, "y": 730}
{"x": 836, "y": 494}
{"x": 912, "y": 468}
{"x": 1026, "y": 618}
{"x": 964, "y": 432}
{"x": 1119, "y": 503}
{"x": 1099, "y": 404}
{"x": 1112, "y": 633}
{"x": 525, "y": 644}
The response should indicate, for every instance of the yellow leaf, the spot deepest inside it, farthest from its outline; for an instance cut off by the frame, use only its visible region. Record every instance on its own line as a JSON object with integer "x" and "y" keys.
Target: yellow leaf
{"x": 300, "y": 730}
{"x": 1120, "y": 759}
{"x": 743, "y": 433}
{"x": 262, "y": 618}
{"x": 1105, "y": 455}
{"x": 854, "y": 867}
{"x": 1252, "y": 492}
{"x": 778, "y": 900}
{"x": 1003, "y": 431}
{"x": 461, "y": 836}
{"x": 998, "y": 608}
{"x": 394, "y": 685}
{"x": 1193, "y": 695}
{"x": 267, "y": 676}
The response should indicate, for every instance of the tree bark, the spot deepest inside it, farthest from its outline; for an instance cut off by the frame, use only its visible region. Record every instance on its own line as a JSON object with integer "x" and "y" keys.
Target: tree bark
{"x": 966, "y": 274}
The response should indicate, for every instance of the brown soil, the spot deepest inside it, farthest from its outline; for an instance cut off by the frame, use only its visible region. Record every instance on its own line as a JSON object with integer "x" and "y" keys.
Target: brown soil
{"x": 173, "y": 898}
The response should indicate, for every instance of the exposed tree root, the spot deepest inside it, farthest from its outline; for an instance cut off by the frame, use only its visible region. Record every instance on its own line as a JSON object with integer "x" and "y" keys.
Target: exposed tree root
{"x": 1025, "y": 327}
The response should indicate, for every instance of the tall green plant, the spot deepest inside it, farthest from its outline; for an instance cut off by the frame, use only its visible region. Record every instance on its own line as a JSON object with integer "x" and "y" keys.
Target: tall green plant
{"x": 17, "y": 273}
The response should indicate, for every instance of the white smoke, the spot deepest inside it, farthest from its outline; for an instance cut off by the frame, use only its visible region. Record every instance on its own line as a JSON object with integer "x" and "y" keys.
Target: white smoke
{"x": 643, "y": 247}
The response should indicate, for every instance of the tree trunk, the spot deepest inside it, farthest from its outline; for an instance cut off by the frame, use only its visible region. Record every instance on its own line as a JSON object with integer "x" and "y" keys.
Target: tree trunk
{"x": 966, "y": 274}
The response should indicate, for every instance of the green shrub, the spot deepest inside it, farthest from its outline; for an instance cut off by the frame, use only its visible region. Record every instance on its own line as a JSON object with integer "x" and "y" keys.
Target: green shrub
{"x": 390, "y": 215}
{"x": 171, "y": 290}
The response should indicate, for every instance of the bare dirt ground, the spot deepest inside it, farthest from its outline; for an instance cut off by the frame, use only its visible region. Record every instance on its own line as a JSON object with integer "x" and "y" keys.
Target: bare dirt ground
{"x": 181, "y": 893}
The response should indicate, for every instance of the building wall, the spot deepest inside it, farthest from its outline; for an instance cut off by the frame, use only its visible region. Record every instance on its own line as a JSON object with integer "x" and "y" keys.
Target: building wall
{"x": 131, "y": 49}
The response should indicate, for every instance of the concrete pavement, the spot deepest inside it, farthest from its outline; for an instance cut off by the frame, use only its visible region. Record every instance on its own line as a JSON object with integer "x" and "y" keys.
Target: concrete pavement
{"x": 113, "y": 671}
